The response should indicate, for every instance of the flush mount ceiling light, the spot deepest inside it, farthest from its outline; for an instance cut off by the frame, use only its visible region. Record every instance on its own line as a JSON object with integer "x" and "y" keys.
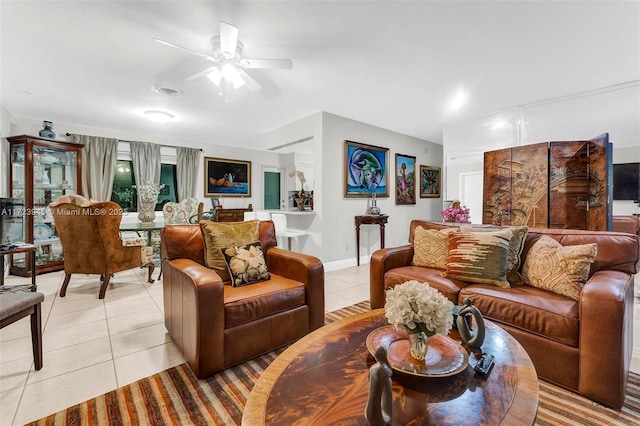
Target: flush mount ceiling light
{"x": 158, "y": 116}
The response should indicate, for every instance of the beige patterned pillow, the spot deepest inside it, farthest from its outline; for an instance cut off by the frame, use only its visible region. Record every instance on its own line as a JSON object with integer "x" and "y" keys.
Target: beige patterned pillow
{"x": 431, "y": 247}
{"x": 515, "y": 250}
{"x": 557, "y": 268}
{"x": 479, "y": 257}
{"x": 246, "y": 264}
{"x": 219, "y": 235}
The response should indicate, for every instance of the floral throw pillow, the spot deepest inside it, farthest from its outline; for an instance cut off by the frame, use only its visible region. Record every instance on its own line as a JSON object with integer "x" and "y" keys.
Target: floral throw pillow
{"x": 557, "y": 268}
{"x": 246, "y": 264}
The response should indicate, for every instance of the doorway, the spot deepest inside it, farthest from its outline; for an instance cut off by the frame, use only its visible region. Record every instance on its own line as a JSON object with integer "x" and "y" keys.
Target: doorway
{"x": 471, "y": 190}
{"x": 272, "y": 190}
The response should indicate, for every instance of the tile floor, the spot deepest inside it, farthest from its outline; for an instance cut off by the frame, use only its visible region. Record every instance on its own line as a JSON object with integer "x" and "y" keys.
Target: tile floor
{"x": 93, "y": 346}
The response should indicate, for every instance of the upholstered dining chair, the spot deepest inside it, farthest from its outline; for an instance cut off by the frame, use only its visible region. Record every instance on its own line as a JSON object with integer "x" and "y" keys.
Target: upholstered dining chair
{"x": 16, "y": 302}
{"x": 182, "y": 212}
{"x": 90, "y": 238}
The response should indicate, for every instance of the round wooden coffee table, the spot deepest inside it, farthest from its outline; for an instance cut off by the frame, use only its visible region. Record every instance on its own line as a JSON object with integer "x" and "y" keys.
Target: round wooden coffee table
{"x": 323, "y": 379}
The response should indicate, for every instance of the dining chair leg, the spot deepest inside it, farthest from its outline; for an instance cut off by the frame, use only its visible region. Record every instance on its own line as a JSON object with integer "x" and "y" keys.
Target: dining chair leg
{"x": 36, "y": 335}
{"x": 151, "y": 267}
{"x": 103, "y": 287}
{"x": 65, "y": 284}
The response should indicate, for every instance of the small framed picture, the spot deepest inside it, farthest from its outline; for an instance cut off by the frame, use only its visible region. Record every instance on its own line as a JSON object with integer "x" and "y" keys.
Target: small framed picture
{"x": 227, "y": 178}
{"x": 405, "y": 179}
{"x": 365, "y": 170}
{"x": 430, "y": 182}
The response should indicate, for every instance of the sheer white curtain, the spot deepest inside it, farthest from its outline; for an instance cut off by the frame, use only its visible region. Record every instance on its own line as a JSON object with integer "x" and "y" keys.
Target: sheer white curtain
{"x": 99, "y": 157}
{"x": 187, "y": 166}
{"x": 145, "y": 157}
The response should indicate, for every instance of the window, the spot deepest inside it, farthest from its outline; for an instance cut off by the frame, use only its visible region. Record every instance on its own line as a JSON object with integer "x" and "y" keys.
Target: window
{"x": 124, "y": 192}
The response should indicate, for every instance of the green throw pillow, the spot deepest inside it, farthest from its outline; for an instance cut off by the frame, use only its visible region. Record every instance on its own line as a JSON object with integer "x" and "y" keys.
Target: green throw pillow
{"x": 220, "y": 235}
{"x": 479, "y": 257}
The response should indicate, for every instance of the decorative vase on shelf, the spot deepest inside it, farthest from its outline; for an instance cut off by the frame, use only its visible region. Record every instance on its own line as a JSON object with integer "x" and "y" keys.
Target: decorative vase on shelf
{"x": 47, "y": 131}
{"x": 300, "y": 203}
{"x": 418, "y": 345}
{"x": 146, "y": 214}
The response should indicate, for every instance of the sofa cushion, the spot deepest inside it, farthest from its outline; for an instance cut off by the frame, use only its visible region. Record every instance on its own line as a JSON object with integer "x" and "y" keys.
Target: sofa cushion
{"x": 448, "y": 287}
{"x": 431, "y": 247}
{"x": 531, "y": 309}
{"x": 479, "y": 257}
{"x": 218, "y": 235}
{"x": 259, "y": 300}
{"x": 557, "y": 268}
{"x": 246, "y": 264}
{"x": 516, "y": 244}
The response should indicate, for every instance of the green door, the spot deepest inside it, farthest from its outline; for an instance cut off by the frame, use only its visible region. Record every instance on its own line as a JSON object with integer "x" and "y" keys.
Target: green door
{"x": 271, "y": 191}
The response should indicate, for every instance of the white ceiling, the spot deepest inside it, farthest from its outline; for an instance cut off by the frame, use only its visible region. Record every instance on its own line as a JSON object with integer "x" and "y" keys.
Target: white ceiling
{"x": 392, "y": 64}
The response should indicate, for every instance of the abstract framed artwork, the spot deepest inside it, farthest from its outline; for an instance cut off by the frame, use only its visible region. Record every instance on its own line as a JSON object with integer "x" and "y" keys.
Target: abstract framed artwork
{"x": 405, "y": 179}
{"x": 430, "y": 181}
{"x": 365, "y": 170}
{"x": 227, "y": 178}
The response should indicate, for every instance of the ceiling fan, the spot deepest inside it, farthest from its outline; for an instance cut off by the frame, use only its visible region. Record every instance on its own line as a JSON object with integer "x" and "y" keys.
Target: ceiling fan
{"x": 229, "y": 68}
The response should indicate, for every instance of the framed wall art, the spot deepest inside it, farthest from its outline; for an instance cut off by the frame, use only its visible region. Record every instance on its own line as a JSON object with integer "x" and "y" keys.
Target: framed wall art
{"x": 227, "y": 178}
{"x": 365, "y": 170}
{"x": 405, "y": 179}
{"x": 430, "y": 181}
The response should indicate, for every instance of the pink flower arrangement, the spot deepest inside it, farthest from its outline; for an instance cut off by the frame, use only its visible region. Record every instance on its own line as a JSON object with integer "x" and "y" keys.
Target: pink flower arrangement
{"x": 456, "y": 214}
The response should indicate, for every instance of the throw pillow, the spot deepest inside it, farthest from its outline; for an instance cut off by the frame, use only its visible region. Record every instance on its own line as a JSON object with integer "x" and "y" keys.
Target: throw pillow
{"x": 515, "y": 250}
{"x": 557, "y": 268}
{"x": 479, "y": 257}
{"x": 246, "y": 264}
{"x": 218, "y": 235}
{"x": 431, "y": 247}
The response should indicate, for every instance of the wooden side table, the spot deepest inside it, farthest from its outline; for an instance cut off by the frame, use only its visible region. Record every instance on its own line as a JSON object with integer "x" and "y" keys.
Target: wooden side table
{"x": 22, "y": 248}
{"x": 369, "y": 219}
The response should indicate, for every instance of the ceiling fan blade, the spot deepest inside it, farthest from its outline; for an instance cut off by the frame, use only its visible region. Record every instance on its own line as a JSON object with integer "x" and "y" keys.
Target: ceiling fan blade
{"x": 281, "y": 64}
{"x": 228, "y": 39}
{"x": 202, "y": 73}
{"x": 251, "y": 83}
{"x": 177, "y": 46}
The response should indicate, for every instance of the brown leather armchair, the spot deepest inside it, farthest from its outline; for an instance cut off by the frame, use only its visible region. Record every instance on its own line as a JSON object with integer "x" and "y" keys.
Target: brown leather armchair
{"x": 217, "y": 325}
{"x": 90, "y": 237}
{"x": 626, "y": 223}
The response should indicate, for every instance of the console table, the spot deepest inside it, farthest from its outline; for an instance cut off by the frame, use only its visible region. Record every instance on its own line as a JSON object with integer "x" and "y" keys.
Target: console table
{"x": 231, "y": 215}
{"x": 369, "y": 219}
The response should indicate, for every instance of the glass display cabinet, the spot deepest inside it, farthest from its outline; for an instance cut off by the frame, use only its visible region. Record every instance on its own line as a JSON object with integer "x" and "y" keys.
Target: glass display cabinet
{"x": 41, "y": 171}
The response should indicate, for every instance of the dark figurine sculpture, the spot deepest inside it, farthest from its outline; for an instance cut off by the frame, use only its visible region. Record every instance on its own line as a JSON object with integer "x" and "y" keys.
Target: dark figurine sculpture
{"x": 472, "y": 339}
{"x": 378, "y": 410}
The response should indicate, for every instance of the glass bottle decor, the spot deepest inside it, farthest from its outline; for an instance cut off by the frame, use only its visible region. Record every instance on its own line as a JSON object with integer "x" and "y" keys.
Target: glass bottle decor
{"x": 47, "y": 131}
{"x": 418, "y": 345}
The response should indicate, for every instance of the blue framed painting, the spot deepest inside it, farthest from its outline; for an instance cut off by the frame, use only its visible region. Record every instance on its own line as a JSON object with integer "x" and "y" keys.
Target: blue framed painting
{"x": 227, "y": 178}
{"x": 405, "y": 179}
{"x": 365, "y": 170}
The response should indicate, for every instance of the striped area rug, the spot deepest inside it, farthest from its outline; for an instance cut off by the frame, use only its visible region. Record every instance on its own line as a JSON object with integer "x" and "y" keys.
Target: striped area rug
{"x": 177, "y": 397}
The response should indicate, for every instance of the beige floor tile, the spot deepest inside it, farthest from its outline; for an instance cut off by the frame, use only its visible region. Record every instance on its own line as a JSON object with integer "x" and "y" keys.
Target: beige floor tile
{"x": 138, "y": 340}
{"x": 142, "y": 364}
{"x": 20, "y": 328}
{"x": 49, "y": 396}
{"x": 71, "y": 319}
{"x": 71, "y": 358}
{"x": 131, "y": 303}
{"x": 9, "y": 401}
{"x": 135, "y": 320}
{"x": 13, "y": 374}
{"x": 63, "y": 305}
{"x": 53, "y": 340}
{"x": 16, "y": 349}
{"x": 333, "y": 301}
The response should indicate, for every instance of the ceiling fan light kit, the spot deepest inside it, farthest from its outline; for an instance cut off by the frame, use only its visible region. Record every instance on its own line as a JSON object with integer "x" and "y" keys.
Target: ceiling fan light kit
{"x": 230, "y": 65}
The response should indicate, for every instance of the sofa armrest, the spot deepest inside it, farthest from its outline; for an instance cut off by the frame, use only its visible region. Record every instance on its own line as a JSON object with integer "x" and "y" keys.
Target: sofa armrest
{"x": 194, "y": 313}
{"x": 606, "y": 335}
{"x": 382, "y": 261}
{"x": 305, "y": 269}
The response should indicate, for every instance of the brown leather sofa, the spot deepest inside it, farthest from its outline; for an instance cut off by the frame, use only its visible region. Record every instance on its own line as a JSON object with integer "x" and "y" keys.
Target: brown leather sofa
{"x": 583, "y": 345}
{"x": 626, "y": 223}
{"x": 217, "y": 325}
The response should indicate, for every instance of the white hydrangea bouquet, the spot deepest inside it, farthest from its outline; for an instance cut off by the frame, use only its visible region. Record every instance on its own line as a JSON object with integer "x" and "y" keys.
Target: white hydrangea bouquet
{"x": 416, "y": 307}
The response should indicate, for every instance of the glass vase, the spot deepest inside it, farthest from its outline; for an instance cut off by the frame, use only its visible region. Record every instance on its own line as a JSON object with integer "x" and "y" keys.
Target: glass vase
{"x": 419, "y": 344}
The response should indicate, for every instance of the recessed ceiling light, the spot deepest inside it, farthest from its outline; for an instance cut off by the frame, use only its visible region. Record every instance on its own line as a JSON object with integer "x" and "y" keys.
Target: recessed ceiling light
{"x": 167, "y": 91}
{"x": 158, "y": 116}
